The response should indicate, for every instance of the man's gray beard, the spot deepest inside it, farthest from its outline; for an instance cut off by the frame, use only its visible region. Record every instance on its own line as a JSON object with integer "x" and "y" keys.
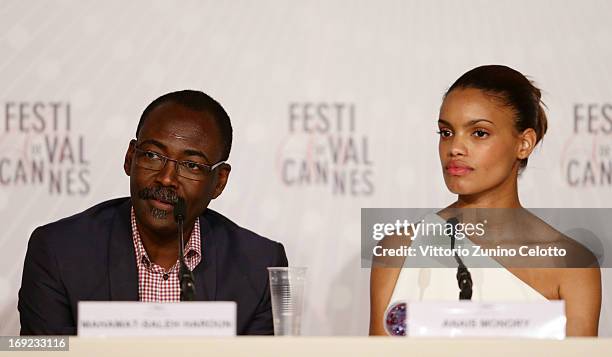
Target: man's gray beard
{"x": 158, "y": 213}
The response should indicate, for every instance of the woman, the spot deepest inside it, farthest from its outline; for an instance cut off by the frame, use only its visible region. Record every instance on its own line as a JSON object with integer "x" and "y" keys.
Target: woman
{"x": 490, "y": 121}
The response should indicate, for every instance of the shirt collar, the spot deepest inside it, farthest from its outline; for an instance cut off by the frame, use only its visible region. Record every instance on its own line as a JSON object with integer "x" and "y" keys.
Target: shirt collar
{"x": 192, "y": 252}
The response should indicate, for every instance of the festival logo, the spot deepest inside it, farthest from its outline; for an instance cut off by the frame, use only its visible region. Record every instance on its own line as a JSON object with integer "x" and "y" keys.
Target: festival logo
{"x": 39, "y": 148}
{"x": 324, "y": 148}
{"x": 586, "y": 159}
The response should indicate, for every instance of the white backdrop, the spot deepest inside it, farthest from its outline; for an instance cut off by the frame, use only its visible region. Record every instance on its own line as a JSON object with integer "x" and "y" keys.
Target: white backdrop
{"x": 376, "y": 70}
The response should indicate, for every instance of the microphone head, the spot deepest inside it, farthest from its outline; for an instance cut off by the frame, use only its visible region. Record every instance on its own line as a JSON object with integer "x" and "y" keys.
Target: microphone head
{"x": 453, "y": 221}
{"x": 179, "y": 210}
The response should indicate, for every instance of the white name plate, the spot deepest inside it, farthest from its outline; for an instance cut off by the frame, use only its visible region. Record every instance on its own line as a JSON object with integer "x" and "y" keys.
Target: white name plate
{"x": 545, "y": 319}
{"x": 133, "y": 318}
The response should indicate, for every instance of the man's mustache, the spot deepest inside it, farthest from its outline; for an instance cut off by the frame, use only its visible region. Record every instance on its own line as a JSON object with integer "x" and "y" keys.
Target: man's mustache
{"x": 161, "y": 194}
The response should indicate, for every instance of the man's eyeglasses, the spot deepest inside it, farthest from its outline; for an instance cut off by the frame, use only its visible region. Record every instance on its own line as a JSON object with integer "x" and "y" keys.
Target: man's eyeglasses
{"x": 152, "y": 160}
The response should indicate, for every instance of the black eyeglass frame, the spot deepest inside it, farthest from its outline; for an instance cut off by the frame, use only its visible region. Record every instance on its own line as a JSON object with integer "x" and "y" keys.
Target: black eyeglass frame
{"x": 206, "y": 169}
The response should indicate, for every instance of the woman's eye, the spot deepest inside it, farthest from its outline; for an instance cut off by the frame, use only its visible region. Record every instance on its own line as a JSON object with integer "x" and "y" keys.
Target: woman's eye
{"x": 481, "y": 133}
{"x": 445, "y": 133}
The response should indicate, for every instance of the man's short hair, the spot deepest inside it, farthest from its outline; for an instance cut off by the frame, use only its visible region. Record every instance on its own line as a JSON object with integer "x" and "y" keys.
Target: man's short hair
{"x": 200, "y": 102}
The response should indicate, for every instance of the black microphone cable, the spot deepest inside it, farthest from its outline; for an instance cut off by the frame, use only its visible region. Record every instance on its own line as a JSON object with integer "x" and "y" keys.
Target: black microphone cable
{"x": 185, "y": 275}
{"x": 464, "y": 278}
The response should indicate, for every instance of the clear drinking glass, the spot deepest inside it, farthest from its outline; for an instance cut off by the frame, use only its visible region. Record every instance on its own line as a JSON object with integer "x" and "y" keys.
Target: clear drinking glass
{"x": 287, "y": 293}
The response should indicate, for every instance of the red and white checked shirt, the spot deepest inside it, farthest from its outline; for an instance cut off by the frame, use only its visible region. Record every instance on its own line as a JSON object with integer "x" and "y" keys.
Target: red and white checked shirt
{"x": 156, "y": 284}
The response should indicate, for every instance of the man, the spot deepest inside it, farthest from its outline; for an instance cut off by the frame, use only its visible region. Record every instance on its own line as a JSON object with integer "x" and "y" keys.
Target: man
{"x": 127, "y": 249}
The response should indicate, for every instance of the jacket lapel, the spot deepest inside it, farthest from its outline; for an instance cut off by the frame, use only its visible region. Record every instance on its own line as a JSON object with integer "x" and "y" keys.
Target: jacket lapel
{"x": 123, "y": 274}
{"x": 205, "y": 274}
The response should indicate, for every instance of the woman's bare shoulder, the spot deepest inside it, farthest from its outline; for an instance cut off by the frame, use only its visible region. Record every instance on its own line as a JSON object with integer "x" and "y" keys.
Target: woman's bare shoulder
{"x": 540, "y": 234}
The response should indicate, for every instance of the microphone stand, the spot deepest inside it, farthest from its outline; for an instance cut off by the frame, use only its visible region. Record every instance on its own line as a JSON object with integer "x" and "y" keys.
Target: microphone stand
{"x": 464, "y": 278}
{"x": 185, "y": 275}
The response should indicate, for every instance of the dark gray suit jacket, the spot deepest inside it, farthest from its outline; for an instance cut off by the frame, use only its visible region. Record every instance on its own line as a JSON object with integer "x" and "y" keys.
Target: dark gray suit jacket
{"x": 90, "y": 256}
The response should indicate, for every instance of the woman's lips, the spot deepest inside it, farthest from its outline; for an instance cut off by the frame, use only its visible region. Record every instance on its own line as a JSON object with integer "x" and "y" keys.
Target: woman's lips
{"x": 458, "y": 169}
{"x": 161, "y": 205}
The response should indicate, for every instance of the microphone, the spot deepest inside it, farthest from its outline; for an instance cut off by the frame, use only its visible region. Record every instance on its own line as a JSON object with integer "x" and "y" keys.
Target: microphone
{"x": 179, "y": 210}
{"x": 185, "y": 275}
{"x": 464, "y": 278}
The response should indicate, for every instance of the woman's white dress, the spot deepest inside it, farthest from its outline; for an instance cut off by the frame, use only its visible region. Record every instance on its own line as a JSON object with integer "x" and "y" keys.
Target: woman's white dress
{"x": 495, "y": 284}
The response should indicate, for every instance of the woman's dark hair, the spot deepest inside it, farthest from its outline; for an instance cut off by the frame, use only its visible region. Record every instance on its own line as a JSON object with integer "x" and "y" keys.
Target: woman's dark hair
{"x": 514, "y": 90}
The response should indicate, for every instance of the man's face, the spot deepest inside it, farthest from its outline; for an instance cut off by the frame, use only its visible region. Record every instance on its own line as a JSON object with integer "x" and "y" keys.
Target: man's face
{"x": 182, "y": 134}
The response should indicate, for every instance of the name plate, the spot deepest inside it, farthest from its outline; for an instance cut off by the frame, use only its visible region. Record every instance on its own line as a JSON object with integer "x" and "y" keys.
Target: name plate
{"x": 133, "y": 318}
{"x": 545, "y": 319}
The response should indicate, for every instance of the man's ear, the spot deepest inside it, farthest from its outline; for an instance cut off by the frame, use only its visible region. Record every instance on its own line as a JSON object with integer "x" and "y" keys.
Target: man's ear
{"x": 222, "y": 177}
{"x": 129, "y": 155}
{"x": 527, "y": 142}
